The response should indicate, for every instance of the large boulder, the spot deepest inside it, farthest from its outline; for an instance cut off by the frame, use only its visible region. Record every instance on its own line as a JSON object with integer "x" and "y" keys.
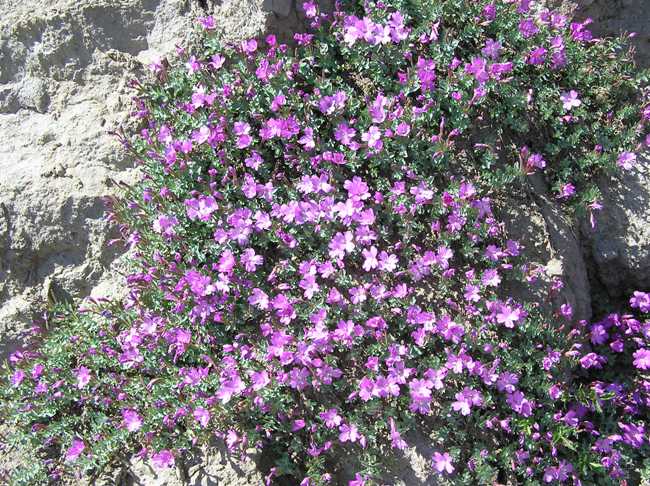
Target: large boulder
{"x": 65, "y": 69}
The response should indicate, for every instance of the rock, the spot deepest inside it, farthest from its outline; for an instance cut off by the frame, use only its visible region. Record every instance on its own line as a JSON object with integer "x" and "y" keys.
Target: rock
{"x": 65, "y": 68}
{"x": 550, "y": 244}
{"x": 282, "y": 7}
{"x": 620, "y": 243}
{"x": 206, "y": 469}
{"x": 613, "y": 17}
{"x": 33, "y": 94}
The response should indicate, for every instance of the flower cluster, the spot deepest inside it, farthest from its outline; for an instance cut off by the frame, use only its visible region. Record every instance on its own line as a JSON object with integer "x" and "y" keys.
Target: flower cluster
{"x": 319, "y": 267}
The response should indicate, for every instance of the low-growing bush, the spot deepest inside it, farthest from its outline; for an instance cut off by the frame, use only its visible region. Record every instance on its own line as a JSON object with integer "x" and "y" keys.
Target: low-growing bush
{"x": 318, "y": 264}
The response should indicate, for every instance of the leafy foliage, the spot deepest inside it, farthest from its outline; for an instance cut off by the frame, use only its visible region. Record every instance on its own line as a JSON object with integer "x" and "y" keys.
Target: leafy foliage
{"x": 317, "y": 266}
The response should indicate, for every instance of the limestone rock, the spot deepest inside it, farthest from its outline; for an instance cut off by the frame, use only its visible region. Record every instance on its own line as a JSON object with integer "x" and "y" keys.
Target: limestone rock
{"x": 65, "y": 68}
{"x": 620, "y": 243}
{"x": 612, "y": 17}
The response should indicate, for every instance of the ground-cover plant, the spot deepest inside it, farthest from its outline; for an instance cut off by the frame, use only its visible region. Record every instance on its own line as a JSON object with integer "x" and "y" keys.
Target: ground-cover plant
{"x": 318, "y": 267}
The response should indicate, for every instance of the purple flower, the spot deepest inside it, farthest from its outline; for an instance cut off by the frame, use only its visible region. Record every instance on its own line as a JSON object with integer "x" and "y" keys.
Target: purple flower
{"x": 377, "y": 109}
{"x": 396, "y": 439}
{"x": 193, "y": 65}
{"x": 75, "y": 449}
{"x": 370, "y": 261}
{"x": 507, "y": 382}
{"x": 598, "y": 334}
{"x": 509, "y": 316}
{"x": 341, "y": 244}
{"x": 566, "y": 191}
{"x": 358, "y": 480}
{"x": 641, "y": 301}
{"x": 331, "y": 418}
{"x": 230, "y": 387}
{"x": 492, "y": 49}
{"x": 165, "y": 225}
{"x": 83, "y": 377}
{"x": 537, "y": 56}
{"x": 442, "y": 463}
{"x": 132, "y": 421}
{"x": 242, "y": 130}
{"x": 202, "y": 416}
{"x": 626, "y": 160}
{"x": 259, "y": 299}
{"x": 163, "y": 459}
{"x": 349, "y": 433}
{"x": 250, "y": 260}
{"x": 570, "y": 100}
{"x": 633, "y": 435}
{"x": 201, "y": 208}
{"x": 344, "y": 134}
{"x": 520, "y": 404}
{"x": 527, "y": 28}
{"x": 642, "y": 359}
{"x": 17, "y": 378}
{"x": 373, "y": 138}
{"x": 592, "y": 360}
{"x": 260, "y": 379}
{"x": 208, "y": 23}
{"x": 466, "y": 399}
{"x": 420, "y": 392}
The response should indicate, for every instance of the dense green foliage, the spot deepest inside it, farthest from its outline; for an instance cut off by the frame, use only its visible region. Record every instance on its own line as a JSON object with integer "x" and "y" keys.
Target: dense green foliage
{"x": 318, "y": 267}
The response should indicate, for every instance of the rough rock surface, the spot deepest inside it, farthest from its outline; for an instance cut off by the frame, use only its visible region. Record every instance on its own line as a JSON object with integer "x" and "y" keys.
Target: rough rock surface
{"x": 621, "y": 16}
{"x": 620, "y": 244}
{"x": 65, "y": 67}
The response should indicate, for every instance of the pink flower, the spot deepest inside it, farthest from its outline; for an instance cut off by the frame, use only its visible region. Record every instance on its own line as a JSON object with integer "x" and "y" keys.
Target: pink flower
{"x": 642, "y": 359}
{"x": 17, "y": 378}
{"x": 373, "y": 138}
{"x": 202, "y": 416}
{"x": 370, "y": 256}
{"x": 208, "y": 23}
{"x": 165, "y": 224}
{"x": 465, "y": 400}
{"x": 163, "y": 459}
{"x": 75, "y": 450}
{"x": 349, "y": 433}
{"x": 570, "y": 100}
{"x": 250, "y": 260}
{"x": 83, "y": 377}
{"x": 641, "y": 301}
{"x": 442, "y": 463}
{"x": 260, "y": 379}
{"x": 626, "y": 160}
{"x": 132, "y": 421}
{"x": 331, "y": 418}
